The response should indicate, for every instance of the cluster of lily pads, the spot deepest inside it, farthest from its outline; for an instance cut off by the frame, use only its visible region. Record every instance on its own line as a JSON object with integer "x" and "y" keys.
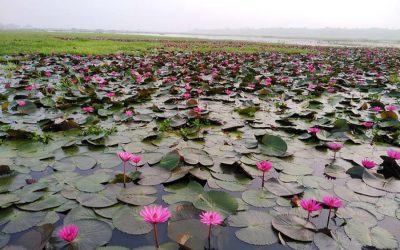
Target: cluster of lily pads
{"x": 88, "y": 142}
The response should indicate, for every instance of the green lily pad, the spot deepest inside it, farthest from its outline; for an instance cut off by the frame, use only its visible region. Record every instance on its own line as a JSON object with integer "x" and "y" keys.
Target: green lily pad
{"x": 19, "y": 221}
{"x": 128, "y": 220}
{"x": 257, "y": 229}
{"x": 374, "y": 237}
{"x": 170, "y": 161}
{"x": 259, "y": 198}
{"x": 69, "y": 163}
{"x": 274, "y": 145}
{"x": 138, "y": 195}
{"x": 216, "y": 201}
{"x": 294, "y": 227}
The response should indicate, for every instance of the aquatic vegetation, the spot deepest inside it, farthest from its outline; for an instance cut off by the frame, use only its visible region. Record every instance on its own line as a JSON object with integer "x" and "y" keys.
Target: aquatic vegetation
{"x": 200, "y": 130}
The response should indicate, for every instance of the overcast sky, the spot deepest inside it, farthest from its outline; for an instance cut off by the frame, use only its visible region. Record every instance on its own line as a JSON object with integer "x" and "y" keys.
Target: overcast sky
{"x": 186, "y": 15}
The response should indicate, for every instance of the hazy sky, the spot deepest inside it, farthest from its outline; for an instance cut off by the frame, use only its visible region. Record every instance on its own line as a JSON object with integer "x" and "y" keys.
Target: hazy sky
{"x": 185, "y": 15}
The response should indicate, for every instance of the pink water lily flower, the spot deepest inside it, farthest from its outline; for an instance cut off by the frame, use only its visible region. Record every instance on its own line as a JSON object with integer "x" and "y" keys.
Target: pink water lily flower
{"x": 21, "y": 103}
{"x": 264, "y": 166}
{"x": 390, "y": 108}
{"x": 393, "y": 154}
{"x": 188, "y": 88}
{"x": 68, "y": 233}
{"x": 313, "y": 130}
{"x": 88, "y": 109}
{"x": 331, "y": 90}
{"x": 125, "y": 157}
{"x": 110, "y": 94}
{"x": 198, "y": 110}
{"x": 128, "y": 113}
{"x": 155, "y": 215}
{"x": 186, "y": 96}
{"x": 228, "y": 92}
{"x": 139, "y": 78}
{"x": 210, "y": 218}
{"x": 331, "y": 202}
{"x": 368, "y": 163}
{"x": 335, "y": 147}
{"x": 376, "y": 109}
{"x": 31, "y": 87}
{"x": 368, "y": 124}
{"x": 136, "y": 159}
{"x": 310, "y": 206}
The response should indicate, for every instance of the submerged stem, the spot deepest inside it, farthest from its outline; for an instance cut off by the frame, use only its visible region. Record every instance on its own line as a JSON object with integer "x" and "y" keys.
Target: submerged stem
{"x": 209, "y": 237}
{"x": 262, "y": 185}
{"x": 156, "y": 235}
{"x": 124, "y": 174}
{"x": 329, "y": 215}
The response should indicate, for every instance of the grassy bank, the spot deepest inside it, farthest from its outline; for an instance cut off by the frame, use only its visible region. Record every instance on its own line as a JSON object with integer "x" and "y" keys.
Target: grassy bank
{"x": 13, "y": 42}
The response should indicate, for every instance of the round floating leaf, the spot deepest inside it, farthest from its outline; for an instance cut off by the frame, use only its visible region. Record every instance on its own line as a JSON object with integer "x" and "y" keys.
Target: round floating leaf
{"x": 190, "y": 233}
{"x": 357, "y": 214}
{"x": 69, "y": 163}
{"x": 170, "y": 161}
{"x": 358, "y": 186}
{"x": 79, "y": 213}
{"x": 297, "y": 170}
{"x": 283, "y": 189}
{"x": 216, "y": 201}
{"x": 294, "y": 227}
{"x": 46, "y": 202}
{"x": 259, "y": 198}
{"x": 138, "y": 195}
{"x": 128, "y": 220}
{"x": 231, "y": 186}
{"x": 105, "y": 198}
{"x": 92, "y": 234}
{"x": 6, "y": 200}
{"x": 339, "y": 241}
{"x": 152, "y": 158}
{"x": 387, "y": 206}
{"x": 375, "y": 237}
{"x": 20, "y": 221}
{"x": 153, "y": 176}
{"x": 4, "y": 238}
{"x": 335, "y": 171}
{"x": 92, "y": 183}
{"x": 257, "y": 227}
{"x": 379, "y": 182}
{"x": 108, "y": 160}
{"x": 182, "y": 192}
{"x": 274, "y": 145}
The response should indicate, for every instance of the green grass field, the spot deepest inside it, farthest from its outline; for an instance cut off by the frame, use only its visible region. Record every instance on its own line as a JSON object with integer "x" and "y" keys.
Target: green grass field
{"x": 13, "y": 42}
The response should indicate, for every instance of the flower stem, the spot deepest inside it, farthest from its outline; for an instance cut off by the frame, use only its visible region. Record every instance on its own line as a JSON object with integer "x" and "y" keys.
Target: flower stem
{"x": 136, "y": 166}
{"x": 308, "y": 216}
{"x": 209, "y": 237}
{"x": 329, "y": 215}
{"x": 262, "y": 185}
{"x": 156, "y": 235}
{"x": 334, "y": 155}
{"x": 124, "y": 174}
